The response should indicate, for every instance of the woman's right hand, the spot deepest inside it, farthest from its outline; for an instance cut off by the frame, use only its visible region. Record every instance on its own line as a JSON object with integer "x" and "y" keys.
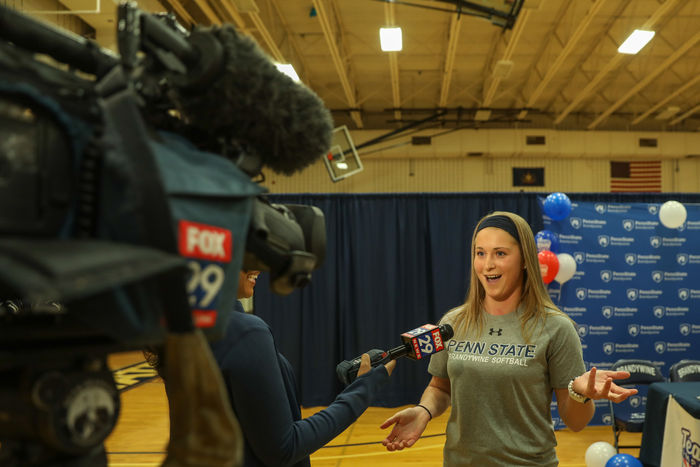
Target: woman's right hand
{"x": 409, "y": 424}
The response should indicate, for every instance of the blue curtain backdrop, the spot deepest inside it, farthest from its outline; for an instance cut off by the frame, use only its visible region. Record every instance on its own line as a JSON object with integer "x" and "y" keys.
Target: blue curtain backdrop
{"x": 393, "y": 263}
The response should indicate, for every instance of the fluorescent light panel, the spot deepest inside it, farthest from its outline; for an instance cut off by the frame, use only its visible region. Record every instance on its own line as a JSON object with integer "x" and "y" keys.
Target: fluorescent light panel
{"x": 390, "y": 39}
{"x": 288, "y": 70}
{"x": 636, "y": 41}
{"x": 668, "y": 113}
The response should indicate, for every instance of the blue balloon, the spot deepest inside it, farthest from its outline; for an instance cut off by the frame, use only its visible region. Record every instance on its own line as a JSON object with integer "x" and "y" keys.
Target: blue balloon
{"x": 623, "y": 460}
{"x": 557, "y": 206}
{"x": 547, "y": 240}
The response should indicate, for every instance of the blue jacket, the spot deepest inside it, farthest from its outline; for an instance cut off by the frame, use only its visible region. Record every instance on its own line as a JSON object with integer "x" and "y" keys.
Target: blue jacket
{"x": 262, "y": 390}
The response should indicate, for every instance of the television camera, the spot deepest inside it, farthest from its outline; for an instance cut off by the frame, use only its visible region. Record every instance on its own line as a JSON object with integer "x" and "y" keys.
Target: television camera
{"x": 128, "y": 204}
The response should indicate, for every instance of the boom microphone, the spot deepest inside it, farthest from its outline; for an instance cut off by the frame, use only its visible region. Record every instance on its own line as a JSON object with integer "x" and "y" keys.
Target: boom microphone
{"x": 417, "y": 344}
{"x": 282, "y": 122}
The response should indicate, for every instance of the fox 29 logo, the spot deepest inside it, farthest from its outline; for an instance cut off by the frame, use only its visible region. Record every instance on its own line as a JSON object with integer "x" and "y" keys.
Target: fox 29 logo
{"x": 207, "y": 249}
{"x": 425, "y": 340}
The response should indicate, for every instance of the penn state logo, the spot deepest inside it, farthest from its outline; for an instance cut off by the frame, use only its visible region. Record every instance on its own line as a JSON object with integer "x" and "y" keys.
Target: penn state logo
{"x": 659, "y": 311}
{"x": 635, "y": 401}
{"x": 581, "y": 293}
{"x": 628, "y": 225}
{"x": 631, "y": 258}
{"x": 599, "y": 208}
{"x": 684, "y": 328}
{"x": 682, "y": 259}
{"x": 632, "y": 294}
{"x": 683, "y": 294}
{"x": 582, "y": 330}
{"x": 603, "y": 240}
{"x": 579, "y": 257}
{"x": 660, "y": 347}
{"x": 655, "y": 241}
{"x": 575, "y": 222}
{"x": 608, "y": 348}
{"x": 633, "y": 329}
{"x": 607, "y": 419}
{"x": 657, "y": 276}
{"x": 606, "y": 275}
{"x": 653, "y": 209}
{"x": 607, "y": 311}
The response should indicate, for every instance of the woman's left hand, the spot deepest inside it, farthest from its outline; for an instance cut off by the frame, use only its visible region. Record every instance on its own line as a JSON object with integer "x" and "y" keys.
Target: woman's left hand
{"x": 598, "y": 384}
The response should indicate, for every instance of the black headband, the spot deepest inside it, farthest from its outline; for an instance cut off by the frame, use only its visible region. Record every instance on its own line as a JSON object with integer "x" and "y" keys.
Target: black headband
{"x": 500, "y": 222}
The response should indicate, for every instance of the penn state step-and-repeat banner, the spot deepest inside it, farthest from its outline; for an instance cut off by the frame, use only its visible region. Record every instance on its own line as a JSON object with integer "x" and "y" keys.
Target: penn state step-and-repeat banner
{"x": 636, "y": 289}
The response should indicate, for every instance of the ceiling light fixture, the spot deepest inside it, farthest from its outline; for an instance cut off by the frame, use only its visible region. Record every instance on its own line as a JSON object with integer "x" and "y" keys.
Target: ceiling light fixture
{"x": 636, "y": 41}
{"x": 288, "y": 70}
{"x": 390, "y": 39}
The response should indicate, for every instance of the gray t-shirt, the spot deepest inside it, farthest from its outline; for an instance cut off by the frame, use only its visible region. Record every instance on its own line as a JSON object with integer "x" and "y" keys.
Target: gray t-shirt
{"x": 502, "y": 389}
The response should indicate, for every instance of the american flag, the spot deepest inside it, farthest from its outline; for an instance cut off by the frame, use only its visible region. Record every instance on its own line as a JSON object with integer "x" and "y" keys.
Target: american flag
{"x": 641, "y": 176}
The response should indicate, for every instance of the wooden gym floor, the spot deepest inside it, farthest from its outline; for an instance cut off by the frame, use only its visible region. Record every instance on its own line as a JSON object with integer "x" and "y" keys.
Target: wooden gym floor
{"x": 140, "y": 438}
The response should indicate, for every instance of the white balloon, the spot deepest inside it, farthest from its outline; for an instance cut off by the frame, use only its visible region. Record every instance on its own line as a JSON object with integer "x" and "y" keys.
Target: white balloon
{"x": 672, "y": 214}
{"x": 567, "y": 267}
{"x": 598, "y": 454}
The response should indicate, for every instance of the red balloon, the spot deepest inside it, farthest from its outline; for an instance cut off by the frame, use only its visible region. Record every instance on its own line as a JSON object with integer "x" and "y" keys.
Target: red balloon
{"x": 549, "y": 265}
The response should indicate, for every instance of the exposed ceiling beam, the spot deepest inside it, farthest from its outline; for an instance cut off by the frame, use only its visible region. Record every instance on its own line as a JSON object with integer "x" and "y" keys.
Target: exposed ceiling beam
{"x": 390, "y": 20}
{"x": 338, "y": 60}
{"x": 208, "y": 11}
{"x": 667, "y": 99}
{"x": 232, "y": 13}
{"x": 613, "y": 63}
{"x": 298, "y": 57}
{"x": 453, "y": 40}
{"x": 685, "y": 115}
{"x": 181, "y": 11}
{"x": 266, "y": 37}
{"x": 647, "y": 79}
{"x": 562, "y": 56}
{"x": 520, "y": 25}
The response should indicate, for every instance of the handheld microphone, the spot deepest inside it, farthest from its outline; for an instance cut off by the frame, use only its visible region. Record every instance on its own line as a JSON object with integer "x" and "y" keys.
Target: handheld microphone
{"x": 417, "y": 344}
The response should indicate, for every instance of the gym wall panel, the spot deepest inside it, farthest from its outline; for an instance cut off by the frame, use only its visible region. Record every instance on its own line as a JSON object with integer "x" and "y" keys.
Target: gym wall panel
{"x": 475, "y": 174}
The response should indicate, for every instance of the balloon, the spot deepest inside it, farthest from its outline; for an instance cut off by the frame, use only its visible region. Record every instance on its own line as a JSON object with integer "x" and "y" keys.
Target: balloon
{"x": 672, "y": 214}
{"x": 557, "y": 206}
{"x": 567, "y": 267}
{"x": 547, "y": 240}
{"x": 549, "y": 265}
{"x": 623, "y": 460}
{"x": 599, "y": 453}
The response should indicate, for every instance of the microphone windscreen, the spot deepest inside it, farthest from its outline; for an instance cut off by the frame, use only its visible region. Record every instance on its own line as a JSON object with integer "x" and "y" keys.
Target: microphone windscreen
{"x": 281, "y": 121}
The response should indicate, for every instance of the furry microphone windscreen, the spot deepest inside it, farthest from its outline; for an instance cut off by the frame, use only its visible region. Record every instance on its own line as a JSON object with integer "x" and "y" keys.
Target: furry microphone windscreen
{"x": 283, "y": 122}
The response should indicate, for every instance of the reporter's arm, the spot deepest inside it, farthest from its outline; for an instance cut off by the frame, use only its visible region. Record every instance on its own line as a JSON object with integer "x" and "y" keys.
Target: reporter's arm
{"x": 265, "y": 404}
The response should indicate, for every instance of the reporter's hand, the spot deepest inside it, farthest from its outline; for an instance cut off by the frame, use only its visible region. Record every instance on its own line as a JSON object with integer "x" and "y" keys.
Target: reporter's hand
{"x": 390, "y": 366}
{"x": 366, "y": 365}
{"x": 409, "y": 424}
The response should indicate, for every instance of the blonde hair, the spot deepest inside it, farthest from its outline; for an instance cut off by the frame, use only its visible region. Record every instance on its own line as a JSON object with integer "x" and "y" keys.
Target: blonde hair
{"x": 535, "y": 300}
